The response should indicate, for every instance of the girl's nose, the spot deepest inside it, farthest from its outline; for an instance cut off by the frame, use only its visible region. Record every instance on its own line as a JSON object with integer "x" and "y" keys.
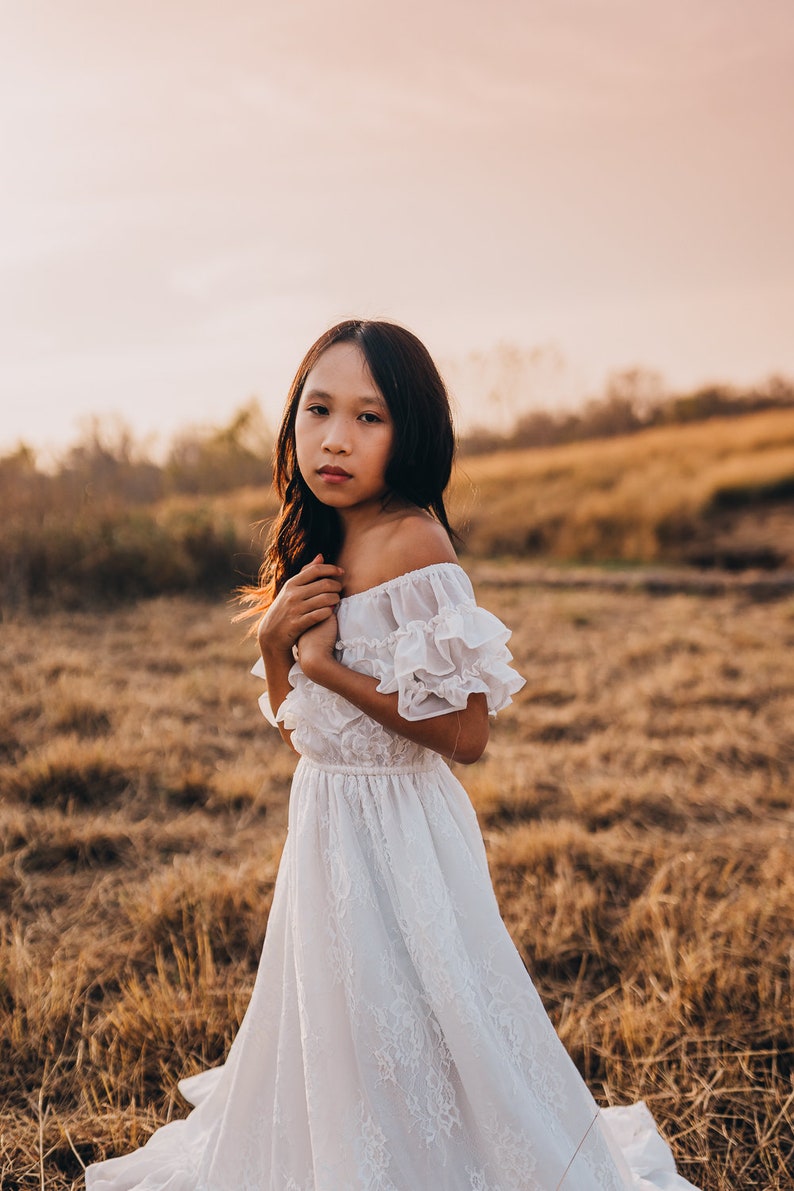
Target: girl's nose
{"x": 337, "y": 439}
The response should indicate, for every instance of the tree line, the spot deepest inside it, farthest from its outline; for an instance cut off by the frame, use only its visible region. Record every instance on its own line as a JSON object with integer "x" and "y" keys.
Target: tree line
{"x": 634, "y": 400}
{"x": 108, "y": 463}
{"x": 106, "y": 522}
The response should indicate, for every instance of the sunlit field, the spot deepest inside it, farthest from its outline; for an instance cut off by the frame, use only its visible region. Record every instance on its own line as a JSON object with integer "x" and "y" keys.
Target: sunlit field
{"x": 636, "y": 802}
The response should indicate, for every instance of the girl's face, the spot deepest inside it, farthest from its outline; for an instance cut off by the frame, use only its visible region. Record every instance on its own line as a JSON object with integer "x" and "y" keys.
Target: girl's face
{"x": 344, "y": 432}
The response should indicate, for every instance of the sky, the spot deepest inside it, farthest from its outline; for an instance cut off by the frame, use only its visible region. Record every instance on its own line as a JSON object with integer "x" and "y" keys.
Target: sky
{"x": 544, "y": 190}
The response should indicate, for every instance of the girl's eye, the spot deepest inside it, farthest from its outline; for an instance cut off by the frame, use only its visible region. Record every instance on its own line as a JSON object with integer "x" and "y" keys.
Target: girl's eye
{"x": 317, "y": 409}
{"x": 370, "y": 418}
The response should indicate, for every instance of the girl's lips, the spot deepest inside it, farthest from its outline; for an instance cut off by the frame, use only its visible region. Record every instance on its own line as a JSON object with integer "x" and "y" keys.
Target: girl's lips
{"x": 334, "y": 475}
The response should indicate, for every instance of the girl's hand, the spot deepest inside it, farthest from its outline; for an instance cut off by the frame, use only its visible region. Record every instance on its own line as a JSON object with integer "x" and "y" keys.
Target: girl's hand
{"x": 305, "y": 600}
{"x": 316, "y": 647}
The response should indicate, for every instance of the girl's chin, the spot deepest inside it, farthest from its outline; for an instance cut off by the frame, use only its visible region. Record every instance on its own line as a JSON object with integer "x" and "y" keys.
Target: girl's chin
{"x": 336, "y": 496}
{"x": 340, "y": 497}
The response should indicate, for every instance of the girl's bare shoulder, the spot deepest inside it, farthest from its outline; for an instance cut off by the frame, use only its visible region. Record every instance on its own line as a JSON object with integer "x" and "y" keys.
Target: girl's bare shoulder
{"x": 417, "y": 540}
{"x": 408, "y": 542}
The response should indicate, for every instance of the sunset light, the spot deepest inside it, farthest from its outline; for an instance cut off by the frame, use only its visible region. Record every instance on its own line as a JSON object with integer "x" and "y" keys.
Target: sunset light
{"x": 192, "y": 192}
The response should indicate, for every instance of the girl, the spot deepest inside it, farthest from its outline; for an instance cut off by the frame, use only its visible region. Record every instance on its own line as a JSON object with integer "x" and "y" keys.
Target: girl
{"x": 394, "y": 1041}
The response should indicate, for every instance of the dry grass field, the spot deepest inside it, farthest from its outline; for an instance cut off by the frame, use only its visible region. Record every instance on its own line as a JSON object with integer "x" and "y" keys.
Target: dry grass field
{"x": 637, "y": 806}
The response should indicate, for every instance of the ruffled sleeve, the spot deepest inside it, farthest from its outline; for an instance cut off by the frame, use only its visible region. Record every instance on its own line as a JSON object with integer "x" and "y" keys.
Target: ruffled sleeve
{"x": 258, "y": 670}
{"x": 441, "y": 648}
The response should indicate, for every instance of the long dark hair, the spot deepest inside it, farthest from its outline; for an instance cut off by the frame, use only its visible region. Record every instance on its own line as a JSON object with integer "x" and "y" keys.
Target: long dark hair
{"x": 420, "y": 464}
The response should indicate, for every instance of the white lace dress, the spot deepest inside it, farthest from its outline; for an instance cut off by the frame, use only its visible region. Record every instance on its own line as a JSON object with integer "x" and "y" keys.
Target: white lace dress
{"x": 394, "y": 1041}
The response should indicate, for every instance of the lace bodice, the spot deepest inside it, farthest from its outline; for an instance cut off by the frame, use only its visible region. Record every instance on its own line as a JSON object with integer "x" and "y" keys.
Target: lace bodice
{"x": 423, "y": 636}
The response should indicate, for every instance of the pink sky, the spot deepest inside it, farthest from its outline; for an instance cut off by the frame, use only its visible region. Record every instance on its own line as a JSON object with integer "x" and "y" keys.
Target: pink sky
{"x": 193, "y": 190}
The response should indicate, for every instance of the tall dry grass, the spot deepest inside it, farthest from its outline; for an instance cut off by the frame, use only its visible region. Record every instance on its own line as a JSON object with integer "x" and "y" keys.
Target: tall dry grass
{"x": 636, "y": 803}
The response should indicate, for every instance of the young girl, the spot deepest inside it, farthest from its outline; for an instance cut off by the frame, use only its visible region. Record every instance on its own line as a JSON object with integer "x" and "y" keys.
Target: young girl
{"x": 394, "y": 1041}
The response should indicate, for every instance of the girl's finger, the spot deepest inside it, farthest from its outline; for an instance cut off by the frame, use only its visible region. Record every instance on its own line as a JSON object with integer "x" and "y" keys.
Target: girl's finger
{"x": 321, "y": 587}
{"x": 315, "y": 570}
{"x": 299, "y": 596}
{"x": 310, "y": 619}
{"x": 323, "y": 599}
{"x": 318, "y": 560}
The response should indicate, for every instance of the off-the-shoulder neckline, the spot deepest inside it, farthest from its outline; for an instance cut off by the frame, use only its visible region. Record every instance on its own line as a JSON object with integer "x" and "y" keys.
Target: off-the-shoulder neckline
{"x": 406, "y": 576}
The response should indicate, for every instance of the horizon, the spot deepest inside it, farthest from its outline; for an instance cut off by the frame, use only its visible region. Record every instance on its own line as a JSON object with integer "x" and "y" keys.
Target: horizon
{"x": 117, "y": 436}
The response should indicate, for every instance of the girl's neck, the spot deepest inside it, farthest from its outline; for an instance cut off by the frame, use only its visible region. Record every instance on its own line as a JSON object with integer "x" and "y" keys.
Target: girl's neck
{"x": 361, "y": 520}
{"x": 366, "y": 537}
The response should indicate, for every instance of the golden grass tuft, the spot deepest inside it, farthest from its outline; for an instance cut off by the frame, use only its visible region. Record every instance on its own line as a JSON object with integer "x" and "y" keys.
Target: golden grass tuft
{"x": 67, "y": 772}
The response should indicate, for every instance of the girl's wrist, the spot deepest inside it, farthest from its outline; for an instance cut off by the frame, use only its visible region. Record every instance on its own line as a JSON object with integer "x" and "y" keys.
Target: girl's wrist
{"x": 320, "y": 668}
{"x": 273, "y": 651}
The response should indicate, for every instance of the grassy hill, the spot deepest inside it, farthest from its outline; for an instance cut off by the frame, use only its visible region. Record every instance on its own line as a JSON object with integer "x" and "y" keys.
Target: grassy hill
{"x": 716, "y": 493}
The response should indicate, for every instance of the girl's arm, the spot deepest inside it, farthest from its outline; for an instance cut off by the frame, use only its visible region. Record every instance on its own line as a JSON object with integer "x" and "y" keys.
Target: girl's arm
{"x": 305, "y": 601}
{"x": 458, "y": 735}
